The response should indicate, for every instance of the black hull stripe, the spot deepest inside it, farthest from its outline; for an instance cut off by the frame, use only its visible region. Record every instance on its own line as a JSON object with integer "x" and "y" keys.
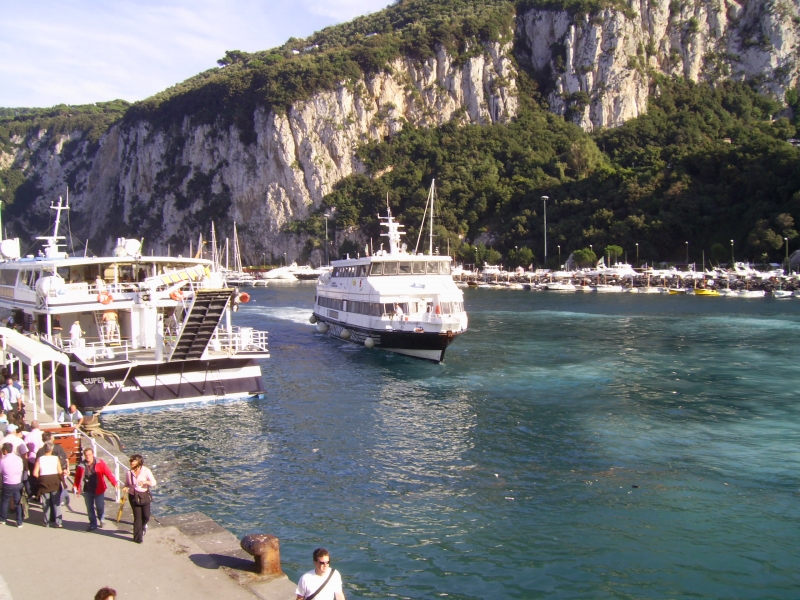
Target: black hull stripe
{"x": 406, "y": 340}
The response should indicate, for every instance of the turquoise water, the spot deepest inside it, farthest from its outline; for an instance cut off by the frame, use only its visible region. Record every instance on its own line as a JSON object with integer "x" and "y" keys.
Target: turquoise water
{"x": 571, "y": 446}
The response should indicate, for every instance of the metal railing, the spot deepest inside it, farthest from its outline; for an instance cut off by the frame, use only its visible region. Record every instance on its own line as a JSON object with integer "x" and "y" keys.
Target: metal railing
{"x": 98, "y": 449}
{"x": 239, "y": 339}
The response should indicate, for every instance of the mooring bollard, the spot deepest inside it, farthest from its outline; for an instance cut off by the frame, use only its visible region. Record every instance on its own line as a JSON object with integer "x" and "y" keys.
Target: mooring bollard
{"x": 266, "y": 549}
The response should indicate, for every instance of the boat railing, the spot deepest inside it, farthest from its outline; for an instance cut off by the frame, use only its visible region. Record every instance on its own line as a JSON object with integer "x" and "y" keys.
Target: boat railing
{"x": 99, "y": 451}
{"x": 92, "y": 352}
{"x": 239, "y": 339}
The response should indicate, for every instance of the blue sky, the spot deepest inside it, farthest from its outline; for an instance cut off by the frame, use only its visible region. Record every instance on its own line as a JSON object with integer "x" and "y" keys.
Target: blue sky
{"x": 88, "y": 51}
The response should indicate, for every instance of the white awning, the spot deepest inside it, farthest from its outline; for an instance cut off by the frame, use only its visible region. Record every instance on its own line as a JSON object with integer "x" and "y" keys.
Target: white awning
{"x": 29, "y": 351}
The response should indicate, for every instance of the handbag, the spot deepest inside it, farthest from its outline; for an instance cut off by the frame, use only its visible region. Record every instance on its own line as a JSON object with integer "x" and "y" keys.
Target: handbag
{"x": 142, "y": 498}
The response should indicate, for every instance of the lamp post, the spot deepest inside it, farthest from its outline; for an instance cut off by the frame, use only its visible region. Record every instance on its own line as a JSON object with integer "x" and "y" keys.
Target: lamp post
{"x": 284, "y": 260}
{"x": 591, "y": 249}
{"x": 637, "y": 253}
{"x": 559, "y": 256}
{"x": 733, "y": 260}
{"x": 687, "y": 256}
{"x": 544, "y": 200}
{"x": 786, "y": 240}
{"x": 328, "y": 215}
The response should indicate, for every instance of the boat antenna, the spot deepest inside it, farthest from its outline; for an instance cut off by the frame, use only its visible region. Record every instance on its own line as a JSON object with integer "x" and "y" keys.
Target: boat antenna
{"x": 425, "y": 214}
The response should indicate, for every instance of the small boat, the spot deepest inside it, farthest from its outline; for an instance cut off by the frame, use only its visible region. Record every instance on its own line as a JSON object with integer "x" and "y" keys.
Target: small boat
{"x": 751, "y": 293}
{"x": 675, "y": 291}
{"x": 780, "y": 294}
{"x": 607, "y": 288}
{"x": 650, "y": 290}
{"x": 560, "y": 287}
{"x": 706, "y": 292}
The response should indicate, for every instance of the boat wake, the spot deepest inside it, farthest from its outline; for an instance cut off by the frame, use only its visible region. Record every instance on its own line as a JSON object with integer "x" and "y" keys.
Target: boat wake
{"x": 284, "y": 313}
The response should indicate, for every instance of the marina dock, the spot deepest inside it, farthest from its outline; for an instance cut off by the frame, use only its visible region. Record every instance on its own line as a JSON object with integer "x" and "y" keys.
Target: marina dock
{"x": 183, "y": 556}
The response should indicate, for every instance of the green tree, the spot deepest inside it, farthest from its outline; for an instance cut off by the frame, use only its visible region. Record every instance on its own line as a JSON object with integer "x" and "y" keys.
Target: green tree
{"x": 521, "y": 257}
{"x": 762, "y": 238}
{"x": 232, "y": 57}
{"x": 585, "y": 257}
{"x": 719, "y": 253}
{"x": 614, "y": 252}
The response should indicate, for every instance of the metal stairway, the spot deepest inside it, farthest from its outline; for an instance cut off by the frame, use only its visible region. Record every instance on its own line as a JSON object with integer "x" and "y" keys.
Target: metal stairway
{"x": 200, "y": 322}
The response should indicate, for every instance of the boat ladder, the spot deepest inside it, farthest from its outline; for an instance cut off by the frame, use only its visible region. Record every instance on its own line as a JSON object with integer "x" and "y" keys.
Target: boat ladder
{"x": 216, "y": 383}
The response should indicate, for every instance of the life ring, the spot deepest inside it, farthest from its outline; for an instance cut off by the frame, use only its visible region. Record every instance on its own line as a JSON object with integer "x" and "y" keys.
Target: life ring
{"x": 438, "y": 310}
{"x": 105, "y": 298}
{"x": 177, "y": 295}
{"x": 244, "y": 297}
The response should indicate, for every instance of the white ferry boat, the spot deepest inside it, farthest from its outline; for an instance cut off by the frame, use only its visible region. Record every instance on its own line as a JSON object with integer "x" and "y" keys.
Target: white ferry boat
{"x": 396, "y": 301}
{"x": 138, "y": 331}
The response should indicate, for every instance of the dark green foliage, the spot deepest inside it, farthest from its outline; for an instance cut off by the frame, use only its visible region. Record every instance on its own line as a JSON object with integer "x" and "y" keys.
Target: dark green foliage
{"x": 277, "y": 78}
{"x": 703, "y": 165}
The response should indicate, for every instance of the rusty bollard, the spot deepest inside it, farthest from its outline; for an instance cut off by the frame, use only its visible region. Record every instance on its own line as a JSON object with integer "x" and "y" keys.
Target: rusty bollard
{"x": 266, "y": 549}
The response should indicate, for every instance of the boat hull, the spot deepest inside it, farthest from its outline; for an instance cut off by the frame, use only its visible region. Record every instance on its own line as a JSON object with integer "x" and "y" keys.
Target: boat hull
{"x": 424, "y": 345}
{"x": 160, "y": 384}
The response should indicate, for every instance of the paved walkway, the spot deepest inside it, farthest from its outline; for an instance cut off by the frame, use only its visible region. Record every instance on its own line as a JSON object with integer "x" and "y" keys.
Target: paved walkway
{"x": 46, "y": 563}
{"x": 183, "y": 556}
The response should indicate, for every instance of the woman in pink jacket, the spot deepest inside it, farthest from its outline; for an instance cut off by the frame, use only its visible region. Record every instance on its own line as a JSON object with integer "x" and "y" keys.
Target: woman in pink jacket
{"x": 138, "y": 483}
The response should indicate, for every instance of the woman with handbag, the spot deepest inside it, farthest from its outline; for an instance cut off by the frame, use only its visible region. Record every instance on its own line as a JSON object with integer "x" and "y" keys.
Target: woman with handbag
{"x": 138, "y": 483}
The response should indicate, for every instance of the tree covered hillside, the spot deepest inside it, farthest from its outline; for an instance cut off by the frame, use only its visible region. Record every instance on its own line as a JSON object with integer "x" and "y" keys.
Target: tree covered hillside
{"x": 705, "y": 165}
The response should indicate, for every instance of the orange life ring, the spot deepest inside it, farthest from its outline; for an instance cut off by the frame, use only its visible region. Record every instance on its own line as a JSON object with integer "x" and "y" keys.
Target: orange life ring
{"x": 105, "y": 298}
{"x": 244, "y": 297}
{"x": 177, "y": 295}
{"x": 438, "y": 310}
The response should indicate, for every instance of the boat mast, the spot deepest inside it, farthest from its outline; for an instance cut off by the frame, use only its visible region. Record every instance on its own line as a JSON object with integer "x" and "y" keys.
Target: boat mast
{"x": 432, "y": 194}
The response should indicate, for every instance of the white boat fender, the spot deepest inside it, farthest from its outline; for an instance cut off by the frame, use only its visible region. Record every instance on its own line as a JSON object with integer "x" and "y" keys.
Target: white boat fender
{"x": 322, "y": 327}
{"x": 346, "y": 334}
{"x": 312, "y": 319}
{"x": 369, "y": 343}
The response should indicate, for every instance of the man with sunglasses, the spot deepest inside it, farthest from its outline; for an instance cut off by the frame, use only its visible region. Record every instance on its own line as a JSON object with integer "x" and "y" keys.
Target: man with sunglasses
{"x": 323, "y": 583}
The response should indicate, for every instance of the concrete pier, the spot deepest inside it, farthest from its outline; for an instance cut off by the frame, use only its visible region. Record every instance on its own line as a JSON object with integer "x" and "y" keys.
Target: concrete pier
{"x": 183, "y": 556}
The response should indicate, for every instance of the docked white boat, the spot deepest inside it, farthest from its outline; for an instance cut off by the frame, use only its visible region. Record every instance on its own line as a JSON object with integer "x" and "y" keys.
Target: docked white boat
{"x": 751, "y": 293}
{"x": 280, "y": 273}
{"x": 556, "y": 286}
{"x": 138, "y": 331}
{"x": 650, "y": 289}
{"x": 393, "y": 300}
{"x": 607, "y": 288}
{"x": 781, "y": 294}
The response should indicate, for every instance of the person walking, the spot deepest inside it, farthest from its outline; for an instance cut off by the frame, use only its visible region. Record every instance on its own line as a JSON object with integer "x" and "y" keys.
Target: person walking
{"x": 323, "y": 582}
{"x": 50, "y": 480}
{"x": 90, "y": 476}
{"x": 11, "y": 470}
{"x": 138, "y": 484}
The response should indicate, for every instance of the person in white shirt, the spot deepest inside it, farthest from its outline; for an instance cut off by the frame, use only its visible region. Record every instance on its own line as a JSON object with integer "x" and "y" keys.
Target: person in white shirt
{"x": 72, "y": 415}
{"x": 34, "y": 435}
{"x": 323, "y": 583}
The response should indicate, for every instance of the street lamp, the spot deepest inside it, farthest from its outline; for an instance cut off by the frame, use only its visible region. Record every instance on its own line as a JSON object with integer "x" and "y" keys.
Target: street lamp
{"x": 544, "y": 200}
{"x": 687, "y": 256}
{"x": 786, "y": 239}
{"x": 559, "y": 256}
{"x": 284, "y": 260}
{"x": 733, "y": 260}
{"x": 637, "y": 253}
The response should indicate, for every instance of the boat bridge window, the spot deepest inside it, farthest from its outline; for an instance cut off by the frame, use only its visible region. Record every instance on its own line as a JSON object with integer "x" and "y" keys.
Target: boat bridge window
{"x": 362, "y": 270}
{"x": 390, "y": 268}
{"x": 451, "y": 308}
{"x": 419, "y": 267}
{"x": 405, "y": 268}
{"x": 376, "y": 268}
{"x": 8, "y": 277}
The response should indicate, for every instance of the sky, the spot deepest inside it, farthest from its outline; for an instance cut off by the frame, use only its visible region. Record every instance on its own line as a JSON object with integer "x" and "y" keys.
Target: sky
{"x": 85, "y": 51}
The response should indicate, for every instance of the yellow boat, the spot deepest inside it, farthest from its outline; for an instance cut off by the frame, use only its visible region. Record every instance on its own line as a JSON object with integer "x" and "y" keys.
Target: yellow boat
{"x": 706, "y": 292}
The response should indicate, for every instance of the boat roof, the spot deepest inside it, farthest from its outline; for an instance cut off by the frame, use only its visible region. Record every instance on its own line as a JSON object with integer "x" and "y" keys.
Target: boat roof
{"x": 90, "y": 260}
{"x": 388, "y": 257}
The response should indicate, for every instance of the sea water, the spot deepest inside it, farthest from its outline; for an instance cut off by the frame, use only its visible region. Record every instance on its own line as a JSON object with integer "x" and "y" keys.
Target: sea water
{"x": 571, "y": 446}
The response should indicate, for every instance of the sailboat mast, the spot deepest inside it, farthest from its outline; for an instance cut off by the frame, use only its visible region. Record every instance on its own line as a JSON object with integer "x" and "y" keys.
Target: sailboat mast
{"x": 433, "y": 193}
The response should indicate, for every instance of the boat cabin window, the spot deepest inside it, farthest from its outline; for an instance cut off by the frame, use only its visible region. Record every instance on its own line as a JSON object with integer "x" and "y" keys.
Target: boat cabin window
{"x": 433, "y": 267}
{"x": 362, "y": 270}
{"x": 390, "y": 268}
{"x": 419, "y": 267}
{"x": 405, "y": 268}
{"x": 28, "y": 278}
{"x": 376, "y": 268}
{"x": 444, "y": 267}
{"x": 8, "y": 277}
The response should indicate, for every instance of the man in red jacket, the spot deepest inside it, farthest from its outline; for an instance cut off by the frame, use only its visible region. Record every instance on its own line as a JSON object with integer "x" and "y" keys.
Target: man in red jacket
{"x": 89, "y": 476}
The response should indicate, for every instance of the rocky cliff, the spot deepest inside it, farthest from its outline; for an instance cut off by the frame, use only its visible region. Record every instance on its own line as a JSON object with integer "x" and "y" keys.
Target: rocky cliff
{"x": 168, "y": 184}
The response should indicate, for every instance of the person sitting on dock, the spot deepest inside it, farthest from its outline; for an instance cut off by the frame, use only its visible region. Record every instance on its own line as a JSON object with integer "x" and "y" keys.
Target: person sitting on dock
{"x": 90, "y": 476}
{"x": 72, "y": 416}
